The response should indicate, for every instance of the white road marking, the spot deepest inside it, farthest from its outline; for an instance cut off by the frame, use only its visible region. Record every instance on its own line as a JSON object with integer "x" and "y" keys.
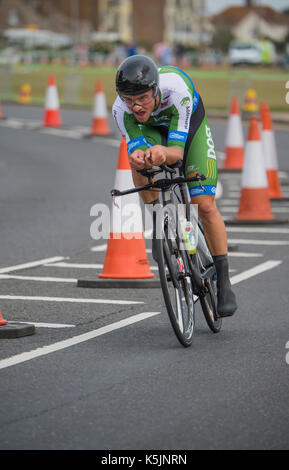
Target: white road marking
{"x": 68, "y": 299}
{"x": 258, "y": 229}
{"x": 260, "y": 268}
{"x": 38, "y": 278}
{"x": 258, "y": 242}
{"x": 280, "y": 210}
{"x": 234, "y": 194}
{"x": 73, "y": 132}
{"x": 27, "y": 356}
{"x": 12, "y": 123}
{"x": 43, "y": 325}
{"x": 70, "y": 133}
{"x": 227, "y": 176}
{"x": 31, "y": 264}
{"x": 99, "y": 248}
{"x": 240, "y": 254}
{"x": 82, "y": 266}
{"x": 75, "y": 265}
{"x": 228, "y": 202}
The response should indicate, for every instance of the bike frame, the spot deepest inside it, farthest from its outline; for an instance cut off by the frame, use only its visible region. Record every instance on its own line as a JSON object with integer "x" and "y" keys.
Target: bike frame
{"x": 166, "y": 186}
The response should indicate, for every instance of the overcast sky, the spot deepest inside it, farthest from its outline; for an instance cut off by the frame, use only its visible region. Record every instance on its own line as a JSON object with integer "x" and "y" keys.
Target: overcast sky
{"x": 215, "y": 6}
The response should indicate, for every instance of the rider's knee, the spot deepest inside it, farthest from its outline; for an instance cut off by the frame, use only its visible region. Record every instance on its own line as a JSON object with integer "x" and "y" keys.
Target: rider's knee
{"x": 207, "y": 210}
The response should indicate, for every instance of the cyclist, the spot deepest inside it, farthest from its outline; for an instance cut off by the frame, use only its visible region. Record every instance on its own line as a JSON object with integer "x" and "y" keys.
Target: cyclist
{"x": 162, "y": 117}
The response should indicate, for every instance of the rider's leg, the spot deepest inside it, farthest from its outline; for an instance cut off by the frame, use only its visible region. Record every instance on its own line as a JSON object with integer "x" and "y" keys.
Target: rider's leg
{"x": 201, "y": 157}
{"x": 216, "y": 237}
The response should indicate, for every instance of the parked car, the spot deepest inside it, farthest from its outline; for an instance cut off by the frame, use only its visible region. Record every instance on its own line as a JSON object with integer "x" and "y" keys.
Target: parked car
{"x": 244, "y": 53}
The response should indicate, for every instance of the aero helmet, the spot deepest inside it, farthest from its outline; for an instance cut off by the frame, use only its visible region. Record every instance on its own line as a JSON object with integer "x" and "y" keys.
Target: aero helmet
{"x": 137, "y": 74}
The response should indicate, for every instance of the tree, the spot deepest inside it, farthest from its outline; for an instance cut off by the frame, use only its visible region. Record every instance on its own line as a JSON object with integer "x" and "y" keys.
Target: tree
{"x": 221, "y": 39}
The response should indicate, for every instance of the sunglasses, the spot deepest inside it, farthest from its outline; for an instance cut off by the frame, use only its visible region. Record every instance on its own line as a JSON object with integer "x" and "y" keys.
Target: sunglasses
{"x": 141, "y": 100}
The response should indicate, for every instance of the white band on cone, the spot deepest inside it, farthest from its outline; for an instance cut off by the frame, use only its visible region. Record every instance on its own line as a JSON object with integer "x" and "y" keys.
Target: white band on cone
{"x": 126, "y": 215}
{"x": 234, "y": 136}
{"x": 269, "y": 148}
{"x": 254, "y": 173}
{"x": 51, "y": 98}
{"x": 99, "y": 107}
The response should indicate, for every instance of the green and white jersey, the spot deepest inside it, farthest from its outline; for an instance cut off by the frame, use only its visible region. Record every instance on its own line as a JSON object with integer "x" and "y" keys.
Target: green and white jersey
{"x": 178, "y": 100}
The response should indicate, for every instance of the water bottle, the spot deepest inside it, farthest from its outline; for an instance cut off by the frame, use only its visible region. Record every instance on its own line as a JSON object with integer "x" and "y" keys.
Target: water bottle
{"x": 190, "y": 237}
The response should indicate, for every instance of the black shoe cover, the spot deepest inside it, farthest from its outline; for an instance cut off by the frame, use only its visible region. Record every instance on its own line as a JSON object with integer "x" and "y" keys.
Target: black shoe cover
{"x": 226, "y": 305}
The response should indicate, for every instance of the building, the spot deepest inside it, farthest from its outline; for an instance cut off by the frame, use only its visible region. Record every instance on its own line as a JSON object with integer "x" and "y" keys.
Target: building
{"x": 150, "y": 22}
{"x": 185, "y": 22}
{"x": 252, "y": 23}
{"x": 144, "y": 22}
{"x": 115, "y": 20}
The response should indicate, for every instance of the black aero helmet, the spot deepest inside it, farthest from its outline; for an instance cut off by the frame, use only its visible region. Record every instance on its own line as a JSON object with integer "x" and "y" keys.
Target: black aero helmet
{"x": 137, "y": 74}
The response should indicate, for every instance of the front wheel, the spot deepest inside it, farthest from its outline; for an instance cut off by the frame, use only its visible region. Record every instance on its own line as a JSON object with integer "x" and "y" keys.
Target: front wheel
{"x": 176, "y": 285}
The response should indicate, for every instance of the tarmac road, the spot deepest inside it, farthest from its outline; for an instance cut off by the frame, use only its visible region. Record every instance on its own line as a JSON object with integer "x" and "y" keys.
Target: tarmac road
{"x": 104, "y": 369}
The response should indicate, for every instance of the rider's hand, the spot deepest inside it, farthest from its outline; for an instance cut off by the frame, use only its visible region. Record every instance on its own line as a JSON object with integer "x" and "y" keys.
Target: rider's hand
{"x": 155, "y": 156}
{"x": 137, "y": 160}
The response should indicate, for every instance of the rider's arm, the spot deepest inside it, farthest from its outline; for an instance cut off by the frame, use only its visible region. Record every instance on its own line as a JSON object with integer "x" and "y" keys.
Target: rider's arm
{"x": 128, "y": 127}
{"x": 180, "y": 119}
{"x": 159, "y": 154}
{"x": 173, "y": 154}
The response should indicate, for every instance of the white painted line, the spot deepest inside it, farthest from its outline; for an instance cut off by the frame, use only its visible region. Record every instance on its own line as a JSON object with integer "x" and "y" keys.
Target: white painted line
{"x": 82, "y": 266}
{"x": 43, "y": 325}
{"x": 242, "y": 241}
{"x": 38, "y": 278}
{"x": 240, "y": 254}
{"x": 62, "y": 133}
{"x": 226, "y": 202}
{"x": 12, "y": 123}
{"x": 75, "y": 265}
{"x": 254, "y": 271}
{"x": 228, "y": 176}
{"x": 234, "y": 194}
{"x": 99, "y": 247}
{"x": 280, "y": 210}
{"x": 31, "y": 264}
{"x": 27, "y": 356}
{"x": 257, "y": 229}
{"x": 68, "y": 299}
{"x": 229, "y": 209}
{"x": 111, "y": 142}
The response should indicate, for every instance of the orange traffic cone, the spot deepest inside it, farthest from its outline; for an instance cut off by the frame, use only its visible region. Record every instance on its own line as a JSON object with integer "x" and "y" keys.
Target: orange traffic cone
{"x": 99, "y": 120}
{"x": 254, "y": 201}
{"x": 263, "y": 107}
{"x": 234, "y": 159}
{"x": 51, "y": 114}
{"x": 126, "y": 256}
{"x": 270, "y": 153}
{"x": 2, "y": 321}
